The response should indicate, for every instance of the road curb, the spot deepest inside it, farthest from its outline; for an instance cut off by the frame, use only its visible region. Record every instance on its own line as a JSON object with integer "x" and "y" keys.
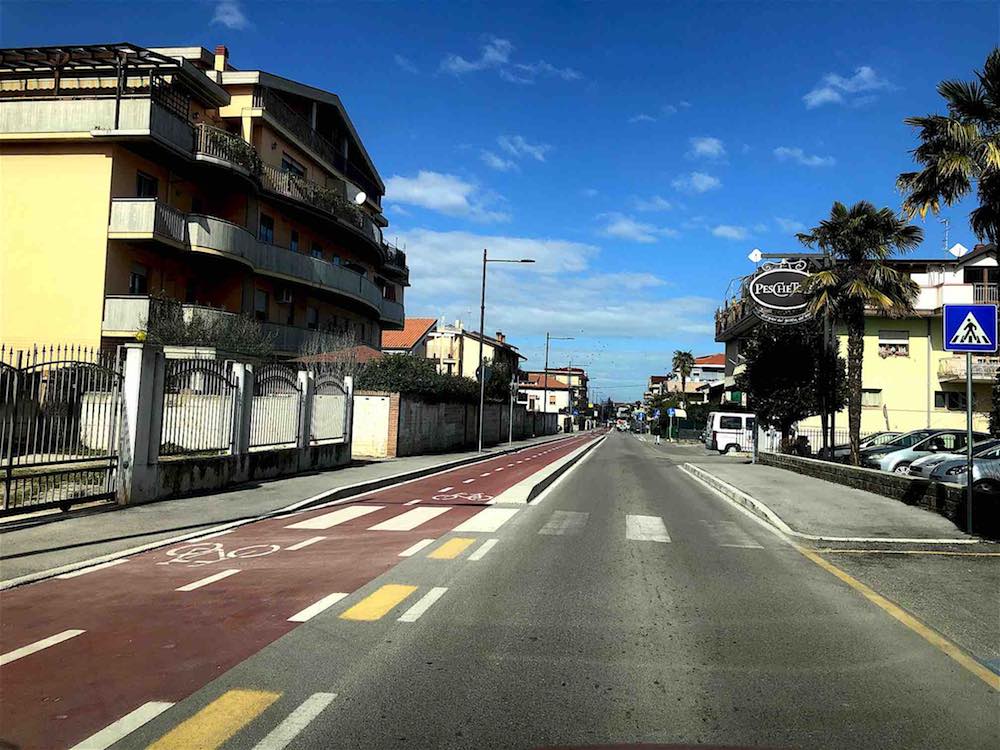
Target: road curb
{"x": 330, "y": 497}
{"x": 760, "y": 510}
{"x": 553, "y": 476}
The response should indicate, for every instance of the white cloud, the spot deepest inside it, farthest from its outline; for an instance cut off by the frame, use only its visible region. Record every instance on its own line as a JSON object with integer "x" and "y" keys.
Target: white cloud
{"x": 495, "y": 54}
{"x": 228, "y": 13}
{"x": 836, "y": 89}
{"x": 590, "y": 192}
{"x": 706, "y": 147}
{"x": 518, "y": 147}
{"x": 621, "y": 227}
{"x": 668, "y": 109}
{"x": 730, "y": 232}
{"x": 797, "y": 155}
{"x": 641, "y": 117}
{"x": 493, "y": 161}
{"x": 444, "y": 193}
{"x": 406, "y": 64}
{"x": 696, "y": 182}
{"x": 789, "y": 225}
{"x": 653, "y": 203}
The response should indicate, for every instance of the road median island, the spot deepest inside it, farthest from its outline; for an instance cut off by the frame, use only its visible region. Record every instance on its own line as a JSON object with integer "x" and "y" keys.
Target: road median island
{"x": 528, "y": 489}
{"x": 812, "y": 509}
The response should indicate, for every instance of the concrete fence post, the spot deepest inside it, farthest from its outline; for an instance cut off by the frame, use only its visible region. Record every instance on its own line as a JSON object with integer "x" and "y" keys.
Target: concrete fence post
{"x": 142, "y": 418}
{"x": 243, "y": 376}
{"x": 307, "y": 392}
{"x": 349, "y": 409}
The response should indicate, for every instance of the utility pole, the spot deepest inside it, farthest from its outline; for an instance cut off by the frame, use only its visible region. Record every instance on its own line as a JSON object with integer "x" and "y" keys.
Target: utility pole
{"x": 482, "y": 345}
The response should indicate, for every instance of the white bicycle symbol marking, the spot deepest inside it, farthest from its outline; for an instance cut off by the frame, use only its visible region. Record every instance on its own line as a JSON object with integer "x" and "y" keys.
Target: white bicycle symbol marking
{"x": 206, "y": 553}
{"x": 474, "y": 497}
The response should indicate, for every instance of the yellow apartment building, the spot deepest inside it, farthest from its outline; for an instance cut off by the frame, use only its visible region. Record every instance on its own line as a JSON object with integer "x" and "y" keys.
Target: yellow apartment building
{"x": 456, "y": 350}
{"x": 909, "y": 381}
{"x": 127, "y": 174}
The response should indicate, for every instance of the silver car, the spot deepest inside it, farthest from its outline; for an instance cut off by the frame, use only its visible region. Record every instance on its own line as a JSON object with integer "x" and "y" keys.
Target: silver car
{"x": 923, "y": 467}
{"x": 897, "y": 455}
{"x": 985, "y": 471}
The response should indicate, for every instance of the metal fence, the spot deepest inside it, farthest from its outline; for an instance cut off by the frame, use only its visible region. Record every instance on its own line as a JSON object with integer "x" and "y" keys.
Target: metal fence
{"x": 199, "y": 407}
{"x": 60, "y": 415}
{"x": 328, "y": 412}
{"x": 274, "y": 414}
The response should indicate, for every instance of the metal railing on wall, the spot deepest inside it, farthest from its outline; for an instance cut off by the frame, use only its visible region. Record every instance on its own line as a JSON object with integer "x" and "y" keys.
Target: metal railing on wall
{"x": 199, "y": 407}
{"x": 275, "y": 411}
{"x": 329, "y": 409}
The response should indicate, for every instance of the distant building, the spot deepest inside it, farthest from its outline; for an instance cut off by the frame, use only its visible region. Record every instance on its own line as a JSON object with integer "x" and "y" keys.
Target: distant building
{"x": 545, "y": 394}
{"x": 456, "y": 350}
{"x": 412, "y": 340}
{"x": 575, "y": 378}
{"x": 707, "y": 369}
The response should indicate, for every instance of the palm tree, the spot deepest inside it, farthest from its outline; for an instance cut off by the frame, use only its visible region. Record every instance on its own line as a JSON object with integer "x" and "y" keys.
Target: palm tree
{"x": 858, "y": 241}
{"x": 960, "y": 149}
{"x": 683, "y": 363}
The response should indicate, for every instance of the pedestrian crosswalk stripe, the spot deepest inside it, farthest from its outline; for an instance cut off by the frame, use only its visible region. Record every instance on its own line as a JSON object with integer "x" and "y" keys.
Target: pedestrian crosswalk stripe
{"x": 486, "y": 521}
{"x": 217, "y": 722}
{"x": 409, "y": 520}
{"x": 314, "y": 609}
{"x": 336, "y": 517}
{"x": 377, "y": 604}
{"x": 729, "y": 534}
{"x": 423, "y": 604}
{"x": 411, "y": 551}
{"x": 646, "y": 529}
{"x": 565, "y": 523}
{"x": 305, "y": 543}
{"x": 282, "y": 735}
{"x": 483, "y": 549}
{"x": 451, "y": 549}
{"x": 123, "y": 727}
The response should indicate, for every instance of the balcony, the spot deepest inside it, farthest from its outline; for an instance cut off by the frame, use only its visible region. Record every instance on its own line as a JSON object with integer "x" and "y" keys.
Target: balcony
{"x": 984, "y": 369}
{"x": 986, "y": 293}
{"x": 395, "y": 262}
{"x": 733, "y": 319}
{"x": 222, "y": 147}
{"x": 146, "y": 218}
{"x": 392, "y": 313}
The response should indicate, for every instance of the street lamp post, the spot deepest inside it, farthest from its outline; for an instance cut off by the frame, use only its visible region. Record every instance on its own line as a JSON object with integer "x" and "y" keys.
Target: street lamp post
{"x": 482, "y": 337}
{"x": 545, "y": 374}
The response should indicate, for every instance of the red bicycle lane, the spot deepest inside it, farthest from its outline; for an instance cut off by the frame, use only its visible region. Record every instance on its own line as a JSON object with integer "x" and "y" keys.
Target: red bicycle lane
{"x": 145, "y": 640}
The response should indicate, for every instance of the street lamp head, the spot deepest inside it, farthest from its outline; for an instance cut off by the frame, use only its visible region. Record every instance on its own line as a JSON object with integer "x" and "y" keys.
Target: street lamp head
{"x": 527, "y": 260}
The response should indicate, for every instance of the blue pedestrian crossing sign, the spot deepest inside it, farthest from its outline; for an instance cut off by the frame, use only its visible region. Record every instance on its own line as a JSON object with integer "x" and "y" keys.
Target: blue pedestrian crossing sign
{"x": 970, "y": 328}
{"x": 671, "y": 411}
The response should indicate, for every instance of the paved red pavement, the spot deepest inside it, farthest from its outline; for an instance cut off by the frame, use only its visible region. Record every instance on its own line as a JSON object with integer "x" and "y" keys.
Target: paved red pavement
{"x": 145, "y": 641}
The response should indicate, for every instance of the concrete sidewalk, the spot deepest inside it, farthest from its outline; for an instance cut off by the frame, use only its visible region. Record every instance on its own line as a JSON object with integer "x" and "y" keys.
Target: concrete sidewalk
{"x": 817, "y": 509}
{"x": 74, "y": 537}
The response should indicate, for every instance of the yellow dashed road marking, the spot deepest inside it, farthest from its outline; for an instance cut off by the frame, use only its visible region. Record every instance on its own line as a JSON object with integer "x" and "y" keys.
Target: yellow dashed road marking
{"x": 451, "y": 549}
{"x": 378, "y": 603}
{"x": 217, "y": 722}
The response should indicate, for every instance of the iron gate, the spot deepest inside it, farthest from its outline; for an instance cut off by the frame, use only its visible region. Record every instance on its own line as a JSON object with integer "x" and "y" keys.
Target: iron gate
{"x": 60, "y": 418}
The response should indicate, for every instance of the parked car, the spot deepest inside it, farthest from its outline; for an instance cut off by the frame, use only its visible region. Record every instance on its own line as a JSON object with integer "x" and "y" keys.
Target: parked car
{"x": 729, "y": 431}
{"x": 841, "y": 452}
{"x": 923, "y": 467}
{"x": 897, "y": 455}
{"x": 985, "y": 471}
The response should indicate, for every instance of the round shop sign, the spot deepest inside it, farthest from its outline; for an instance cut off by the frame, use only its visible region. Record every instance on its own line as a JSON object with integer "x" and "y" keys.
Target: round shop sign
{"x": 779, "y": 289}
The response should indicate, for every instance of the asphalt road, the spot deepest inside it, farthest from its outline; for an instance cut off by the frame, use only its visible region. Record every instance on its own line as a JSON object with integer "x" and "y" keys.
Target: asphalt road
{"x": 629, "y": 605}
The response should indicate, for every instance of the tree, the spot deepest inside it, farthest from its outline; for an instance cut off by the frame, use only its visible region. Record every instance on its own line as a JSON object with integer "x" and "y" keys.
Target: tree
{"x": 417, "y": 377}
{"x": 683, "y": 363}
{"x": 959, "y": 149}
{"x": 169, "y": 324}
{"x": 858, "y": 241}
{"x": 786, "y": 370}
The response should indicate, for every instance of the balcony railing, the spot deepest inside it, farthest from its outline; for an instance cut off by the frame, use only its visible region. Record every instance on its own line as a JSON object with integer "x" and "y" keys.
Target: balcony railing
{"x": 225, "y": 146}
{"x": 733, "y": 314}
{"x": 986, "y": 293}
{"x": 147, "y": 216}
{"x": 984, "y": 369}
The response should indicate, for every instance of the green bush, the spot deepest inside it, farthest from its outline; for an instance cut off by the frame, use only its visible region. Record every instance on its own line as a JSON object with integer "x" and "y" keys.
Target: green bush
{"x": 417, "y": 377}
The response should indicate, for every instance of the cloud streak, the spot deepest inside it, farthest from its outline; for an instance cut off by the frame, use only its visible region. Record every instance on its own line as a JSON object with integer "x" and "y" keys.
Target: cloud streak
{"x": 838, "y": 89}
{"x": 696, "y": 182}
{"x": 443, "y": 193}
{"x": 230, "y": 14}
{"x": 496, "y": 54}
{"x": 798, "y": 156}
{"x": 621, "y": 227}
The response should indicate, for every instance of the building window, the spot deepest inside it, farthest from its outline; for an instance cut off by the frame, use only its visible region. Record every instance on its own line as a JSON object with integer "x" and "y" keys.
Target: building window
{"x": 317, "y": 251}
{"x": 260, "y": 302}
{"x": 146, "y": 186}
{"x": 266, "y": 229}
{"x": 871, "y": 396}
{"x": 952, "y": 400}
{"x": 288, "y": 164}
{"x": 312, "y": 318}
{"x": 335, "y": 260}
{"x": 293, "y": 242}
{"x": 137, "y": 280}
{"x": 893, "y": 343}
{"x": 552, "y": 399}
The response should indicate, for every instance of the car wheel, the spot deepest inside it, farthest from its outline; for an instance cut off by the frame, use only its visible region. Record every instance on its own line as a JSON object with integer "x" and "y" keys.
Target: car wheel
{"x": 987, "y": 487}
{"x": 732, "y": 448}
{"x": 901, "y": 469}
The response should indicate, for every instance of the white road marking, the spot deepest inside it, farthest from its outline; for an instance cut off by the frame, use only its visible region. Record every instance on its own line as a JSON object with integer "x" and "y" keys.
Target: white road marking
{"x": 91, "y": 569}
{"x": 445, "y": 489}
{"x": 468, "y": 480}
{"x": 411, "y": 551}
{"x": 306, "y": 543}
{"x": 413, "y": 502}
{"x": 485, "y": 473}
{"x": 123, "y": 727}
{"x": 336, "y": 517}
{"x": 487, "y": 520}
{"x": 410, "y": 520}
{"x": 282, "y": 735}
{"x": 314, "y": 609}
{"x": 729, "y": 534}
{"x": 565, "y": 523}
{"x": 498, "y": 469}
{"x": 646, "y": 529}
{"x": 510, "y": 464}
{"x": 31, "y": 648}
{"x": 483, "y": 548}
{"x": 211, "y": 579}
{"x": 423, "y": 604}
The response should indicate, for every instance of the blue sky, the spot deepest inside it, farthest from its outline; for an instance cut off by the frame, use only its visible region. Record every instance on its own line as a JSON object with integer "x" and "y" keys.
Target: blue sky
{"x": 637, "y": 151}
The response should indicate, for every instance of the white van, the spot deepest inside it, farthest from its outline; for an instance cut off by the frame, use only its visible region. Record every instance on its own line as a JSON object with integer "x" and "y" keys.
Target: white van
{"x": 729, "y": 431}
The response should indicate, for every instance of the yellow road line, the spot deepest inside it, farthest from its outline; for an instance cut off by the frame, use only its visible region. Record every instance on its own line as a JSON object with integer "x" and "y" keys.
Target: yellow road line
{"x": 217, "y": 722}
{"x": 452, "y": 548}
{"x": 834, "y": 550}
{"x": 378, "y": 603}
{"x": 934, "y": 638}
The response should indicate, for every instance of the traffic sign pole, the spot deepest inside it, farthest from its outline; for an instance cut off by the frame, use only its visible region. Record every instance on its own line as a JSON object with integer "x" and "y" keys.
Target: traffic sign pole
{"x": 968, "y": 441}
